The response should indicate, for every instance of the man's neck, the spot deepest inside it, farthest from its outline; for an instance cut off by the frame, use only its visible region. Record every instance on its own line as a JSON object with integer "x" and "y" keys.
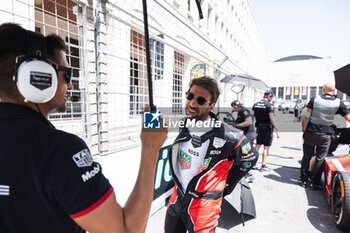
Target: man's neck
{"x": 328, "y": 93}
{"x": 26, "y": 104}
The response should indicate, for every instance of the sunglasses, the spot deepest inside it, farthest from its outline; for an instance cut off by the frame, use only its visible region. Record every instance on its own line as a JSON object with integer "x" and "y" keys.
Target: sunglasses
{"x": 67, "y": 72}
{"x": 200, "y": 99}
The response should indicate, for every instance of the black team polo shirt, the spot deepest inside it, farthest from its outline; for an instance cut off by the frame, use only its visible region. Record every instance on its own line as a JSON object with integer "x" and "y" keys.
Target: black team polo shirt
{"x": 47, "y": 176}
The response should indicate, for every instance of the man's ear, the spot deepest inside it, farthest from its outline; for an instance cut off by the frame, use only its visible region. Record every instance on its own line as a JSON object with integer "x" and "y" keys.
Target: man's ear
{"x": 212, "y": 106}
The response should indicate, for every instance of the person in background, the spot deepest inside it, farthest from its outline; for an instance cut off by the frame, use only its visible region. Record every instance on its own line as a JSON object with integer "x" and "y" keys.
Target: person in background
{"x": 265, "y": 123}
{"x": 49, "y": 181}
{"x": 318, "y": 130}
{"x": 244, "y": 122}
{"x": 297, "y": 111}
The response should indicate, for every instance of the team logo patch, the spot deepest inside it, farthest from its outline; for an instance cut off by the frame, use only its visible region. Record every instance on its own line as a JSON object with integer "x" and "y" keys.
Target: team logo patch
{"x": 204, "y": 164}
{"x": 246, "y": 148}
{"x": 185, "y": 160}
{"x": 218, "y": 142}
{"x": 247, "y": 164}
{"x": 215, "y": 152}
{"x": 83, "y": 158}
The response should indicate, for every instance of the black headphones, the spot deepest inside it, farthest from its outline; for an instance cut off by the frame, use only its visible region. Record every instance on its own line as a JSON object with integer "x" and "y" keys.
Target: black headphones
{"x": 35, "y": 78}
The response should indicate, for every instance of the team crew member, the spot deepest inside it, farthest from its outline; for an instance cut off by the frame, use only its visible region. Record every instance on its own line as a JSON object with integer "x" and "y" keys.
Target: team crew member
{"x": 48, "y": 179}
{"x": 265, "y": 122}
{"x": 201, "y": 158}
{"x": 244, "y": 120}
{"x": 318, "y": 130}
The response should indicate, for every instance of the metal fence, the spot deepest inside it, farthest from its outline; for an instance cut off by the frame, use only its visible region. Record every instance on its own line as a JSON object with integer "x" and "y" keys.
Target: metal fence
{"x": 107, "y": 54}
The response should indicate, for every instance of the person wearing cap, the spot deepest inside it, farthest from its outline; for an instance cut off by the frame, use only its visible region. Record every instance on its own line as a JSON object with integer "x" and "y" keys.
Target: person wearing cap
{"x": 244, "y": 122}
{"x": 265, "y": 123}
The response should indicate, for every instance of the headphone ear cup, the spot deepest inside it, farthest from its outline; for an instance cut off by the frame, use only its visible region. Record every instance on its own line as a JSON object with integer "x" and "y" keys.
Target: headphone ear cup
{"x": 36, "y": 81}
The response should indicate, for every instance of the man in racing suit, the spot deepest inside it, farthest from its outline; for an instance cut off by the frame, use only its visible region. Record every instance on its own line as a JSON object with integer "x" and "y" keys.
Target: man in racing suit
{"x": 206, "y": 163}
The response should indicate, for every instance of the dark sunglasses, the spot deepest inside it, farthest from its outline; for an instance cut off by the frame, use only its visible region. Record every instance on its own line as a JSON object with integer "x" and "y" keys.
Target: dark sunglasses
{"x": 200, "y": 99}
{"x": 67, "y": 72}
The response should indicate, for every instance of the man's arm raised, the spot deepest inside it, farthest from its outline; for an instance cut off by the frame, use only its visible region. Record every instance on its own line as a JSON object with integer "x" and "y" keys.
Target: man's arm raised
{"x": 110, "y": 217}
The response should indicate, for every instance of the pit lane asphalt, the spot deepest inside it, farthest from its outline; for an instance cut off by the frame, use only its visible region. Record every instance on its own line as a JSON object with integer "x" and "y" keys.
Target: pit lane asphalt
{"x": 281, "y": 204}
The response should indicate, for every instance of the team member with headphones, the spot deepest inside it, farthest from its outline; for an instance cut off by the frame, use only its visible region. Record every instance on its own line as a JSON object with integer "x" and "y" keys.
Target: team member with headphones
{"x": 48, "y": 179}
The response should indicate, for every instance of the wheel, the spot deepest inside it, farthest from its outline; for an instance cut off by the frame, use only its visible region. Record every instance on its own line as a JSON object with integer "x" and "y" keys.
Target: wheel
{"x": 340, "y": 200}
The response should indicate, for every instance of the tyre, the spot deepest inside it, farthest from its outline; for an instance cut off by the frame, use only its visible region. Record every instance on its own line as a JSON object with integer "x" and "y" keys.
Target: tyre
{"x": 340, "y": 200}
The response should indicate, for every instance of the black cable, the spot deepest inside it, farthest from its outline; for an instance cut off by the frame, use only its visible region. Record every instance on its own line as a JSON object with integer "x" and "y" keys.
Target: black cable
{"x": 37, "y": 107}
{"x": 47, "y": 120}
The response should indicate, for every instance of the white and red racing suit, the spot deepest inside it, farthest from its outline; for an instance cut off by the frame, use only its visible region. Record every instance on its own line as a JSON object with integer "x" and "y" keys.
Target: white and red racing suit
{"x": 230, "y": 156}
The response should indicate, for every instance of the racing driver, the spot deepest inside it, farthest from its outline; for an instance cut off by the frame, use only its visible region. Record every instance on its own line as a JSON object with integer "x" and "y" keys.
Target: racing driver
{"x": 201, "y": 158}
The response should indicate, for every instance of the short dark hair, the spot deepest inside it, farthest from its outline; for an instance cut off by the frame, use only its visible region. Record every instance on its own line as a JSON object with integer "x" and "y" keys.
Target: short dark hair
{"x": 13, "y": 42}
{"x": 209, "y": 84}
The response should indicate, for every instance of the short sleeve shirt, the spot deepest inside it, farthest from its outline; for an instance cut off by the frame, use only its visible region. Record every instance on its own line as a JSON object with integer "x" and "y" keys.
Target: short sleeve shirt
{"x": 48, "y": 176}
{"x": 242, "y": 115}
{"x": 262, "y": 109}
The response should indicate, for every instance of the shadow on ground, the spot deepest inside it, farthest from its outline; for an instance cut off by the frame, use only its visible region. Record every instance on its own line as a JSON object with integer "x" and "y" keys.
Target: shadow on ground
{"x": 229, "y": 217}
{"x": 281, "y": 156}
{"x": 291, "y": 148}
{"x": 319, "y": 214}
{"x": 288, "y": 175}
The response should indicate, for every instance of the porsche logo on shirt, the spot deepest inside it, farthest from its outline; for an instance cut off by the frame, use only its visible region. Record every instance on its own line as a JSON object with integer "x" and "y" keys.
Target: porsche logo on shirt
{"x": 185, "y": 160}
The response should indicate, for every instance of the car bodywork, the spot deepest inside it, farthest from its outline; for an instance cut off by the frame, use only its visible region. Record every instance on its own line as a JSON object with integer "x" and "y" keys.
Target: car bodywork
{"x": 337, "y": 181}
{"x": 333, "y": 165}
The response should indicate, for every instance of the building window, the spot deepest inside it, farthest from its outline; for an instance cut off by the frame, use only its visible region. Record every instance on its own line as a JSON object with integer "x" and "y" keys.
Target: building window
{"x": 296, "y": 92}
{"x": 288, "y": 93}
{"x": 138, "y": 74}
{"x": 157, "y": 58}
{"x": 210, "y": 10}
{"x": 312, "y": 92}
{"x": 179, "y": 68}
{"x": 57, "y": 17}
{"x": 320, "y": 90}
{"x": 280, "y": 92}
{"x": 73, "y": 57}
{"x": 304, "y": 93}
{"x": 273, "y": 89}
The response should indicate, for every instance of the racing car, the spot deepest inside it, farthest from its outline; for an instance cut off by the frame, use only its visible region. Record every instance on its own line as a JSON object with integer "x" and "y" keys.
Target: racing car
{"x": 337, "y": 180}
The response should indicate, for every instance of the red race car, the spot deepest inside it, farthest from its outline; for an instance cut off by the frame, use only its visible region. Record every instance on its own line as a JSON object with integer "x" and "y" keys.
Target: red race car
{"x": 337, "y": 181}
